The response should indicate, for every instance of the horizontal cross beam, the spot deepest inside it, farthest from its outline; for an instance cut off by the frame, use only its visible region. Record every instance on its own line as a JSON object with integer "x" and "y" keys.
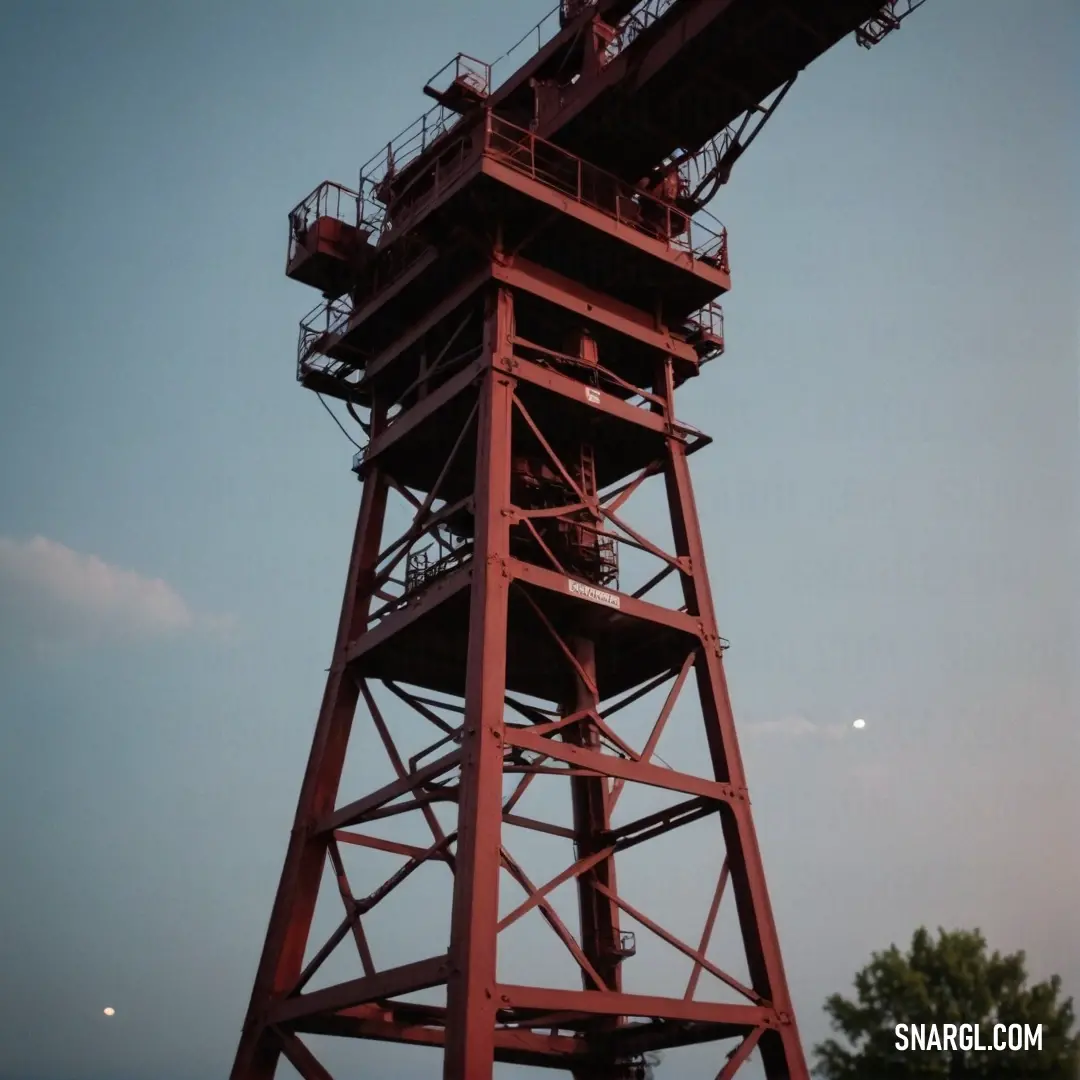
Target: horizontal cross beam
{"x": 398, "y": 1024}
{"x": 627, "y": 604}
{"x": 357, "y": 811}
{"x": 385, "y": 984}
{"x": 736, "y": 1019}
{"x": 639, "y": 772}
{"x": 564, "y": 292}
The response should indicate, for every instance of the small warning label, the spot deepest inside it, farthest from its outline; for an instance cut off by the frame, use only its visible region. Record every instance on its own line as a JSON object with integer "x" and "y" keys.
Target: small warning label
{"x": 594, "y": 595}
{"x": 592, "y": 396}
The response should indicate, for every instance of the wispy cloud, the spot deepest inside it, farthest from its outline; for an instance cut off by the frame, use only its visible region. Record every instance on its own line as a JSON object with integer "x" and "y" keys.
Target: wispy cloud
{"x": 47, "y": 589}
{"x": 795, "y": 726}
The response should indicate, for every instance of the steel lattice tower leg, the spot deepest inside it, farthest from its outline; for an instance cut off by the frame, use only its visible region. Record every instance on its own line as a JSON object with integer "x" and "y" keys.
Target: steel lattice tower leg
{"x": 472, "y": 992}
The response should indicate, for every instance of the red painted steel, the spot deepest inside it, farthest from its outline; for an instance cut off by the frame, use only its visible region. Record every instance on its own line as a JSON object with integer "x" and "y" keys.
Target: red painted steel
{"x": 513, "y": 297}
{"x": 471, "y": 993}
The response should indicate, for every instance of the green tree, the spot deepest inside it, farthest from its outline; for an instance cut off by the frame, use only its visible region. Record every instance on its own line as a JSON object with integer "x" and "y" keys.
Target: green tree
{"x": 950, "y": 980}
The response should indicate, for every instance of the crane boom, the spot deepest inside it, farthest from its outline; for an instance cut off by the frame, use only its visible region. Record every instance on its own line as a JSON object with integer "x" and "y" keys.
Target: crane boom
{"x": 643, "y": 87}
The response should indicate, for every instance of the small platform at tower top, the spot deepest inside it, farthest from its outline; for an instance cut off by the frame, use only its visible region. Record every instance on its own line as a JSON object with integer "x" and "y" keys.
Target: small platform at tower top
{"x": 461, "y": 85}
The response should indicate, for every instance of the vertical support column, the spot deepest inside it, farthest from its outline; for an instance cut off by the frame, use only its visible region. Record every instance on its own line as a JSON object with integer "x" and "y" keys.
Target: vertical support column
{"x": 294, "y": 905}
{"x": 599, "y": 916}
{"x": 471, "y": 990}
{"x": 781, "y": 1050}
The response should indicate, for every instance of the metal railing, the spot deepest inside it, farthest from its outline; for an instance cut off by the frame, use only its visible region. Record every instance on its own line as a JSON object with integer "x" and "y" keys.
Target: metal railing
{"x": 525, "y": 152}
{"x": 888, "y": 19}
{"x": 539, "y": 34}
{"x": 702, "y": 235}
{"x": 328, "y": 323}
{"x": 426, "y": 184}
{"x": 419, "y": 136}
{"x": 633, "y": 25}
{"x": 327, "y": 200}
{"x": 708, "y": 322}
{"x": 629, "y": 28}
{"x": 320, "y": 328}
{"x": 468, "y": 72}
{"x": 571, "y": 9}
{"x": 421, "y": 569}
{"x": 377, "y": 172}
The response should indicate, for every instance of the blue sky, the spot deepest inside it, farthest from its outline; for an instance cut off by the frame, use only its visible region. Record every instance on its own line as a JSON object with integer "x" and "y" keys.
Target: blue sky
{"x": 890, "y": 503}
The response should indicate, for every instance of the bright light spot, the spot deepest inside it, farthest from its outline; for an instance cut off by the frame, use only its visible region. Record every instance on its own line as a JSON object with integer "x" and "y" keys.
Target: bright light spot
{"x": 859, "y": 724}
{"x": 109, "y": 1010}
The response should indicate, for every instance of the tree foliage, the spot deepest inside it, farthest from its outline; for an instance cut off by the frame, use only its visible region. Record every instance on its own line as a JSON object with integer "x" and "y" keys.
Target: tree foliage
{"x": 950, "y": 980}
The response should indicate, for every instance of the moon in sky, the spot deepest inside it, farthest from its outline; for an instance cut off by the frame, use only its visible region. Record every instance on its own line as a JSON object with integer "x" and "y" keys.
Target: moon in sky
{"x": 109, "y": 1010}
{"x": 859, "y": 724}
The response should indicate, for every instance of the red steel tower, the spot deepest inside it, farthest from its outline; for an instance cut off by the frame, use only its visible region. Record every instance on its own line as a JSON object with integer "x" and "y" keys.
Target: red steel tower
{"x": 513, "y": 296}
